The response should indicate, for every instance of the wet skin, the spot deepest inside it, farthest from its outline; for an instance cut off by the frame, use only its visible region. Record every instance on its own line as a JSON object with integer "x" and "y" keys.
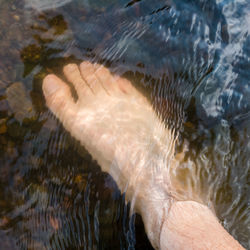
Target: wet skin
{"x": 120, "y": 129}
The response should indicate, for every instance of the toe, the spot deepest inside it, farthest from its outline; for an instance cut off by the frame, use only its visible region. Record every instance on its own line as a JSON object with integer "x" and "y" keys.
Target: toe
{"x": 88, "y": 74}
{"x": 73, "y": 75}
{"x": 125, "y": 86}
{"x": 59, "y": 99}
{"x": 106, "y": 78}
{"x": 113, "y": 83}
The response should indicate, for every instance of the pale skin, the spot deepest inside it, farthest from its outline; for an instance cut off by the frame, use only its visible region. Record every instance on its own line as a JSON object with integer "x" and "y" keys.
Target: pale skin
{"x": 120, "y": 129}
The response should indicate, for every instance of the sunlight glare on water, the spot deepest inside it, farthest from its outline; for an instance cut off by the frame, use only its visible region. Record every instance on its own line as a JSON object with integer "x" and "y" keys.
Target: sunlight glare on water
{"x": 45, "y": 4}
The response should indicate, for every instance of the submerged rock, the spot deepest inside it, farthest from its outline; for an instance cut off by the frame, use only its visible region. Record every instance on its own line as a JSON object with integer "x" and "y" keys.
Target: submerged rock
{"x": 41, "y": 5}
{"x": 3, "y": 127}
{"x": 19, "y": 102}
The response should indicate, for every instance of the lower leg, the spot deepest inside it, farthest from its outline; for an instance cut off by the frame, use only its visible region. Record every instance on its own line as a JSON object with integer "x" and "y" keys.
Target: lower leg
{"x": 191, "y": 225}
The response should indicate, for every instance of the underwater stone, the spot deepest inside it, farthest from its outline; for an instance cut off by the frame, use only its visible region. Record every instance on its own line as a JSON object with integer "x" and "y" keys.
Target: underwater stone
{"x": 3, "y": 127}
{"x": 19, "y": 102}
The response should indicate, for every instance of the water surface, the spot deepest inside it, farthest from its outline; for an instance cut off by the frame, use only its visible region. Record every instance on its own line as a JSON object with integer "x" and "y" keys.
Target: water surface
{"x": 192, "y": 60}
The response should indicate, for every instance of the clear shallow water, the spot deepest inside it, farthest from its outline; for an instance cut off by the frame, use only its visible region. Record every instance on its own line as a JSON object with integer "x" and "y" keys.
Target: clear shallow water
{"x": 192, "y": 60}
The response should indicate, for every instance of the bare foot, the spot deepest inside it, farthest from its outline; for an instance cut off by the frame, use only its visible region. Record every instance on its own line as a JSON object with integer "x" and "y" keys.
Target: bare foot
{"x": 115, "y": 123}
{"x": 119, "y": 128}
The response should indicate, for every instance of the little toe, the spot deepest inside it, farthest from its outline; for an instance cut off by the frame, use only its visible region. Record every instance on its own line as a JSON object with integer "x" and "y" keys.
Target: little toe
{"x": 73, "y": 75}
{"x": 59, "y": 99}
{"x": 88, "y": 74}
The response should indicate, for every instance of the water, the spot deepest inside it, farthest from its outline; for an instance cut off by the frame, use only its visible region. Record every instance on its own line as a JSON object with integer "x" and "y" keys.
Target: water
{"x": 44, "y": 5}
{"x": 191, "y": 58}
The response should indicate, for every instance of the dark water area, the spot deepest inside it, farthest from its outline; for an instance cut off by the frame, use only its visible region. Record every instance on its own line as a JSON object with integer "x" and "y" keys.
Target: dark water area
{"x": 192, "y": 60}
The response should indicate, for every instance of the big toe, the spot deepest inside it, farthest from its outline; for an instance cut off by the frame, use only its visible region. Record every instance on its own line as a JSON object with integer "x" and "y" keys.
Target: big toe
{"x": 59, "y": 99}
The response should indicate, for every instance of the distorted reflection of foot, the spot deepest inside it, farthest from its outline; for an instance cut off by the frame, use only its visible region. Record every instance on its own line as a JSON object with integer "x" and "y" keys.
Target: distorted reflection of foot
{"x": 120, "y": 129}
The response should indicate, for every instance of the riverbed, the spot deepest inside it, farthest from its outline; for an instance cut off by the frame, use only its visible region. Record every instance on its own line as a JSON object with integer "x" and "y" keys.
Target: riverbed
{"x": 191, "y": 58}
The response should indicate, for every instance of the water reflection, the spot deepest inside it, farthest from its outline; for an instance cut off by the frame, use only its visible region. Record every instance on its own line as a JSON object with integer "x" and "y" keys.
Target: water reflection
{"x": 44, "y": 5}
{"x": 191, "y": 58}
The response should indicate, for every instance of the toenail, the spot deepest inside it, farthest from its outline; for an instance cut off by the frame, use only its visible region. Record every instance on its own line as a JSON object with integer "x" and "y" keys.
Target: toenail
{"x": 71, "y": 67}
{"x": 85, "y": 63}
{"x": 50, "y": 86}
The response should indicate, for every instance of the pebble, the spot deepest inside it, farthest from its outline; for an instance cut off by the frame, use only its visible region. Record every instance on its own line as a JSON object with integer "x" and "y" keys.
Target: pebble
{"x": 2, "y": 85}
{"x": 3, "y": 127}
{"x": 81, "y": 181}
{"x": 17, "y": 18}
{"x": 19, "y": 102}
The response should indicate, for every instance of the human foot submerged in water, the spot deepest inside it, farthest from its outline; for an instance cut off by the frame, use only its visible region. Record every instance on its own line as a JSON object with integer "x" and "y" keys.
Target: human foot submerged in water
{"x": 115, "y": 123}
{"x": 120, "y": 129}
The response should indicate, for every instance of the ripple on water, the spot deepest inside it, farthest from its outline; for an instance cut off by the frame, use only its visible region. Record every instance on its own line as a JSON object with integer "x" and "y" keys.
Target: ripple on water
{"x": 192, "y": 60}
{"x": 45, "y": 4}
